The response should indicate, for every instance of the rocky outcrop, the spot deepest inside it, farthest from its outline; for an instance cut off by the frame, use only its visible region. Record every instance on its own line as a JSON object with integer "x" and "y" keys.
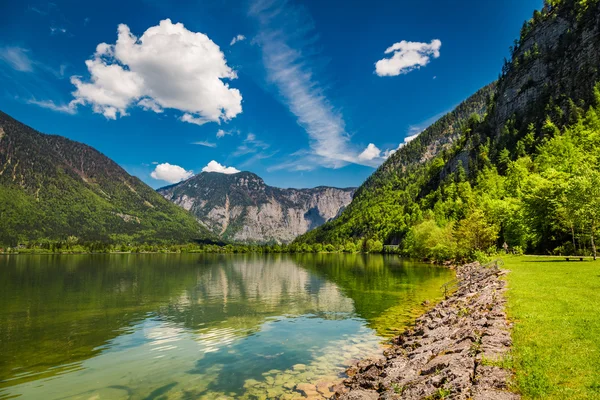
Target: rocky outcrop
{"x": 453, "y": 351}
{"x": 556, "y": 60}
{"x": 241, "y": 207}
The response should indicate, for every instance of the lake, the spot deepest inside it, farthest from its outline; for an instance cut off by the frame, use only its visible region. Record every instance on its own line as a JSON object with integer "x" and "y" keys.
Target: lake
{"x": 170, "y": 326}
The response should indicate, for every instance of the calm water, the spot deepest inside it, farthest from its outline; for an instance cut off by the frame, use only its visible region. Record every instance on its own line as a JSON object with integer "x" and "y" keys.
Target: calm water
{"x": 197, "y": 326}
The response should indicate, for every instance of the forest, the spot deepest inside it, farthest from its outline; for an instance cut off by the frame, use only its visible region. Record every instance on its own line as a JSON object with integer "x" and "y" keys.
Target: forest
{"x": 530, "y": 181}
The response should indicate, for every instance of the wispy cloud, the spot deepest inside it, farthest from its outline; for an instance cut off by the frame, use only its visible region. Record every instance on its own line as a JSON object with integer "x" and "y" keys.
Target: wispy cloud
{"x": 37, "y": 10}
{"x": 414, "y": 131}
{"x": 250, "y": 145}
{"x": 64, "y": 108}
{"x": 222, "y": 133}
{"x": 263, "y": 155}
{"x": 285, "y": 35}
{"x": 18, "y": 58}
{"x": 205, "y": 143}
{"x": 56, "y": 30}
{"x": 21, "y": 59}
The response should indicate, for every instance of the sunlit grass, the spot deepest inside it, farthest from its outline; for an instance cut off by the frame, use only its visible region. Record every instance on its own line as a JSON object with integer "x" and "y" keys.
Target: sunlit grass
{"x": 555, "y": 307}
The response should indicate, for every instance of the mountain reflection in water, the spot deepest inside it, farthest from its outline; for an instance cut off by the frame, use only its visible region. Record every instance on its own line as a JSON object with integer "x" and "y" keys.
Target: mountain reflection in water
{"x": 197, "y": 326}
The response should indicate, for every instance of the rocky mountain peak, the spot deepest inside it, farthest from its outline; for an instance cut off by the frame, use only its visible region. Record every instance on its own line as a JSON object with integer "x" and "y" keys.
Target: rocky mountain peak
{"x": 243, "y": 207}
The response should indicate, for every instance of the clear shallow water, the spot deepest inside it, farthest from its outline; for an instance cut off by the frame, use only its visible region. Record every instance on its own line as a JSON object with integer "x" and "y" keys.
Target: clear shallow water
{"x": 197, "y": 326}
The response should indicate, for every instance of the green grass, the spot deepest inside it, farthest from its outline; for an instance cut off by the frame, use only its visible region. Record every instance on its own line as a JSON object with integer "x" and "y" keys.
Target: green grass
{"x": 555, "y": 307}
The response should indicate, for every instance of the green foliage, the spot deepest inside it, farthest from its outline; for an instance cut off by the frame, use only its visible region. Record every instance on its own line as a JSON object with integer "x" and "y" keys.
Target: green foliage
{"x": 476, "y": 232}
{"x": 52, "y": 188}
{"x": 477, "y": 179}
{"x": 429, "y": 241}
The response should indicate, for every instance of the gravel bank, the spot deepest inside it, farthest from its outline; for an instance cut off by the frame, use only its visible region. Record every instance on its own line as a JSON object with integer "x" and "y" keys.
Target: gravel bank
{"x": 450, "y": 353}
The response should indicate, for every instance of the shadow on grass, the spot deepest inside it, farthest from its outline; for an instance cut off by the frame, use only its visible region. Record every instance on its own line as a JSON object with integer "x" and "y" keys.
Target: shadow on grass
{"x": 550, "y": 261}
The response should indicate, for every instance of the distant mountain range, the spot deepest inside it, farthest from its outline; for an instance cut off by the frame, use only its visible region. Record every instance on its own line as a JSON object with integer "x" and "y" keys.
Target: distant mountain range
{"x": 241, "y": 207}
{"x": 53, "y": 188}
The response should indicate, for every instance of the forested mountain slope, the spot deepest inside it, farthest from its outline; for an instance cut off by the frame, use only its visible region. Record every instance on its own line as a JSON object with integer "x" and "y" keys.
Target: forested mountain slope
{"x": 524, "y": 171}
{"x": 52, "y": 188}
{"x": 243, "y": 208}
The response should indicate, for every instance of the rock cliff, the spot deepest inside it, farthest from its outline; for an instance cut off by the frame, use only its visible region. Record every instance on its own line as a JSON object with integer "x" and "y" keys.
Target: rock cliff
{"x": 241, "y": 207}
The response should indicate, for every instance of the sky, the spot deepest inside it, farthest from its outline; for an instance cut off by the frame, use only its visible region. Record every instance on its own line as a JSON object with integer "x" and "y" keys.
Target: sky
{"x": 303, "y": 94}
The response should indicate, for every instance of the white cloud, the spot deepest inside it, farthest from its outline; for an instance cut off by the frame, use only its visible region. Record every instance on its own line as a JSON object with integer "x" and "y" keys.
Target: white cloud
{"x": 370, "y": 153}
{"x": 150, "y": 105}
{"x": 221, "y": 133}
{"x": 167, "y": 67}
{"x": 407, "y": 56}
{"x": 285, "y": 36}
{"x": 170, "y": 173}
{"x": 214, "y": 166}
{"x": 408, "y": 139}
{"x": 64, "y": 108}
{"x": 17, "y": 57}
{"x": 37, "y": 10}
{"x": 205, "y": 143}
{"x": 193, "y": 120}
{"x": 56, "y": 30}
{"x": 250, "y": 145}
{"x": 236, "y": 39}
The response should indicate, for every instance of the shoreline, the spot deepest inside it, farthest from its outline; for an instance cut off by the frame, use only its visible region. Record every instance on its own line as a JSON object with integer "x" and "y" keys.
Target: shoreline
{"x": 454, "y": 351}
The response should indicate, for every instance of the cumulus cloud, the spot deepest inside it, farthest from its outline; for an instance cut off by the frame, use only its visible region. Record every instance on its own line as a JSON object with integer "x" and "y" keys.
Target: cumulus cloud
{"x": 370, "y": 153}
{"x": 214, "y": 166}
{"x": 407, "y": 56}
{"x": 167, "y": 67}
{"x": 170, "y": 173}
{"x": 236, "y": 39}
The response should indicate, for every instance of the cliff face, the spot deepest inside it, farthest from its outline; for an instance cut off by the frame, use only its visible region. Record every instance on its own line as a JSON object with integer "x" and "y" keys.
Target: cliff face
{"x": 243, "y": 208}
{"x": 558, "y": 59}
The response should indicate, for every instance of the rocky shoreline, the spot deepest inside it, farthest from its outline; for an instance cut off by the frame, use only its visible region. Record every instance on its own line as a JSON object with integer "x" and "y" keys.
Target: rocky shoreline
{"x": 452, "y": 352}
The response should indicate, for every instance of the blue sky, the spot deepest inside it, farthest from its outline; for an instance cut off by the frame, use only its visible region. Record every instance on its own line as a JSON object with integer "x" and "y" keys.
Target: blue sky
{"x": 308, "y": 94}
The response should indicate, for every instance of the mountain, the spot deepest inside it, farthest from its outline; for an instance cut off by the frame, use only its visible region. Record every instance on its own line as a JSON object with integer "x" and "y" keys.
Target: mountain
{"x": 518, "y": 162}
{"x": 377, "y": 210}
{"x": 54, "y": 188}
{"x": 241, "y": 207}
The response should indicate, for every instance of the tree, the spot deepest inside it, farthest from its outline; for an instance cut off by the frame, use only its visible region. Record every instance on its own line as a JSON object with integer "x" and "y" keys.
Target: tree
{"x": 476, "y": 233}
{"x": 585, "y": 193}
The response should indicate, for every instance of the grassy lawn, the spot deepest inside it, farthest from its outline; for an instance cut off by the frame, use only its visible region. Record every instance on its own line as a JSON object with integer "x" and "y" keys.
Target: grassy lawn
{"x": 555, "y": 307}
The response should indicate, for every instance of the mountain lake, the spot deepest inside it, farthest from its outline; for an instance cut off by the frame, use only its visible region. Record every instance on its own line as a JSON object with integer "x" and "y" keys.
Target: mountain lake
{"x": 199, "y": 326}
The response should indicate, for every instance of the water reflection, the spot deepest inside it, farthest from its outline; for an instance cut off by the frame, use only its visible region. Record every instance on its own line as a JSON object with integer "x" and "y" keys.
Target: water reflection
{"x": 188, "y": 326}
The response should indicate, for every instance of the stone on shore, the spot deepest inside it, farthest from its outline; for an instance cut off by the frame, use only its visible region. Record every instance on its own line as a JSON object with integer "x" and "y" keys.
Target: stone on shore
{"x": 450, "y": 352}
